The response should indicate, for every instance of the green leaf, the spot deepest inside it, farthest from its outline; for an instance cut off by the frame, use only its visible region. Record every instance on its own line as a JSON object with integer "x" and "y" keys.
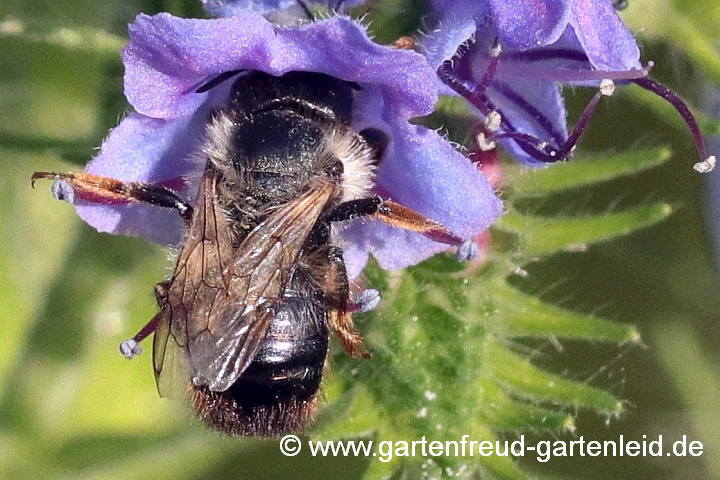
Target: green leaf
{"x": 507, "y": 414}
{"x": 527, "y": 316}
{"x": 75, "y": 39}
{"x": 678, "y": 347}
{"x": 523, "y": 378}
{"x": 76, "y": 151}
{"x": 581, "y": 172}
{"x": 543, "y": 235}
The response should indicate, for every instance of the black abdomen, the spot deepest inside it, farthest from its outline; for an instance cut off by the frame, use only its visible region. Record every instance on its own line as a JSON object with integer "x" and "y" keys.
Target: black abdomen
{"x": 277, "y": 392}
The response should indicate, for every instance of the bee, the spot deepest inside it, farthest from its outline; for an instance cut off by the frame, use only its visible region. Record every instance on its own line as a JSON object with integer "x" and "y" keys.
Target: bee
{"x": 259, "y": 282}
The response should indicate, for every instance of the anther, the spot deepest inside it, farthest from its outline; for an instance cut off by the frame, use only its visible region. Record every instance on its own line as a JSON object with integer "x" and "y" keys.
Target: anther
{"x": 607, "y": 87}
{"x": 484, "y": 144}
{"x": 707, "y": 165}
{"x": 493, "y": 121}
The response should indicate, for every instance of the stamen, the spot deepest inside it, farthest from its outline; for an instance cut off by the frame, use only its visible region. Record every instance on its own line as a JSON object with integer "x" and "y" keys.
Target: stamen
{"x": 491, "y": 68}
{"x": 546, "y": 53}
{"x": 445, "y": 72}
{"x": 571, "y": 75}
{"x": 528, "y": 143}
{"x": 533, "y": 146}
{"x": 582, "y": 123}
{"x": 531, "y": 110}
{"x": 130, "y": 349}
{"x": 404, "y": 43}
{"x": 664, "y": 92}
{"x": 539, "y": 150}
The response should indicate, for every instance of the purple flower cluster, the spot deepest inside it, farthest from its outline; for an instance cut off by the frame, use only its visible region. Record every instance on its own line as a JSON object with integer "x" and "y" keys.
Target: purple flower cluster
{"x": 168, "y": 58}
{"x": 507, "y": 59}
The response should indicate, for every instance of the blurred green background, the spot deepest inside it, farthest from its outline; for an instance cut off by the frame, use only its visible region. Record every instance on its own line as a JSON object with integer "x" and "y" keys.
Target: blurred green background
{"x": 71, "y": 406}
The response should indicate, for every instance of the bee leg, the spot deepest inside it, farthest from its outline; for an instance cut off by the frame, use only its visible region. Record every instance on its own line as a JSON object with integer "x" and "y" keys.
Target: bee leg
{"x": 161, "y": 293}
{"x": 340, "y": 318}
{"x": 108, "y": 191}
{"x": 342, "y": 324}
{"x": 395, "y": 215}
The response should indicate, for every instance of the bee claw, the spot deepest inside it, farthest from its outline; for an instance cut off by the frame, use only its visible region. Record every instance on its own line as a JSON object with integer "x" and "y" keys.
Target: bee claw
{"x": 467, "y": 251}
{"x": 130, "y": 349}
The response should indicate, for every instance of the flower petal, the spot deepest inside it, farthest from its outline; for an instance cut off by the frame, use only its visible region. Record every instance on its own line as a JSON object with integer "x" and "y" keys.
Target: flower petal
{"x": 147, "y": 150}
{"x": 228, "y": 8}
{"x": 533, "y": 108}
{"x": 454, "y": 27}
{"x": 168, "y": 58}
{"x": 525, "y": 24}
{"x": 428, "y": 175}
{"x": 606, "y": 40}
{"x": 519, "y": 25}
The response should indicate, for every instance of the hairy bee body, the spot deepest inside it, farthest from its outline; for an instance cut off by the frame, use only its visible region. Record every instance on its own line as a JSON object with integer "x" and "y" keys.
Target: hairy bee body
{"x": 278, "y": 390}
{"x": 280, "y": 137}
{"x": 260, "y": 280}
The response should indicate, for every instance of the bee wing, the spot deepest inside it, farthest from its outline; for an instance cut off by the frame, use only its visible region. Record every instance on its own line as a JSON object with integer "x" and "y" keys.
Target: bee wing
{"x": 235, "y": 328}
{"x": 197, "y": 280}
{"x": 220, "y": 300}
{"x": 169, "y": 361}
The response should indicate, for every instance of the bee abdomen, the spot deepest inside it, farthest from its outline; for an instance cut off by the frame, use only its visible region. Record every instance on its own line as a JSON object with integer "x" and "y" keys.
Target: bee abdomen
{"x": 278, "y": 391}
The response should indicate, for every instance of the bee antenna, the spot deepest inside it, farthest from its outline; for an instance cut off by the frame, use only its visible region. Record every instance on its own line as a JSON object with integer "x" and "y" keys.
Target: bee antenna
{"x": 218, "y": 80}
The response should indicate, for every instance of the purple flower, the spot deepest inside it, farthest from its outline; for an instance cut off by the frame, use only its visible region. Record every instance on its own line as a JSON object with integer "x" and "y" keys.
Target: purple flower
{"x": 508, "y": 59}
{"x": 169, "y": 58}
{"x": 228, "y": 8}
